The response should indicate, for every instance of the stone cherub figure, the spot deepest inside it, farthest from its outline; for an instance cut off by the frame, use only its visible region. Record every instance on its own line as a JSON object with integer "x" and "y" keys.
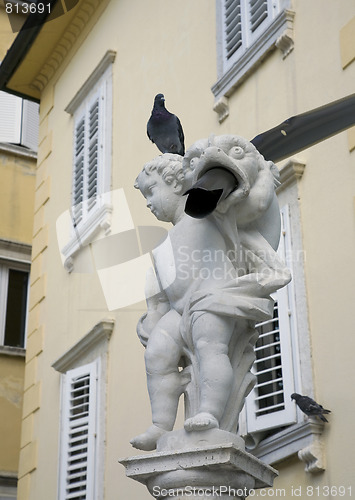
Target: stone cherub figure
{"x": 208, "y": 292}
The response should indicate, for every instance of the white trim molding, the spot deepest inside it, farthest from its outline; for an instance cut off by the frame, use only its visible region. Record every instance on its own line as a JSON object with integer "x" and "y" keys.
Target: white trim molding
{"x": 99, "y": 334}
{"x": 303, "y": 438}
{"x": 106, "y": 61}
{"x": 91, "y": 111}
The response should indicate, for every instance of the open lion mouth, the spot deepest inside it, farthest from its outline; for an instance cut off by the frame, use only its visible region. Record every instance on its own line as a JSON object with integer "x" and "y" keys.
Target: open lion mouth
{"x": 212, "y": 187}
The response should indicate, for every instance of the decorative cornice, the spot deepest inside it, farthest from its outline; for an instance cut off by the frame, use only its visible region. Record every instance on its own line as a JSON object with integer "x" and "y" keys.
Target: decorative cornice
{"x": 291, "y": 171}
{"x": 101, "y": 332}
{"x": 66, "y": 42}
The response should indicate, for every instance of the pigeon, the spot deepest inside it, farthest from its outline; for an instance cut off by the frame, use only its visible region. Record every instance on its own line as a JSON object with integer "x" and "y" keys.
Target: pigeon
{"x": 310, "y": 407}
{"x": 164, "y": 129}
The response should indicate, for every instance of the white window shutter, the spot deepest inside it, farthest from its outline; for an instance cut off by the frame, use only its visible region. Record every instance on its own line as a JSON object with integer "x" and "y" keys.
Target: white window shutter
{"x": 269, "y": 404}
{"x": 88, "y": 157}
{"x": 30, "y": 125}
{"x": 80, "y": 133}
{"x": 258, "y": 12}
{"x": 10, "y": 118}
{"x": 93, "y": 152}
{"x": 78, "y": 436}
{"x": 233, "y": 37}
{"x": 244, "y": 21}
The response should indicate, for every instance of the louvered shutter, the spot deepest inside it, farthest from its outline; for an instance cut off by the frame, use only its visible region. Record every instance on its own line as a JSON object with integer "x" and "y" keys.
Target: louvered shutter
{"x": 232, "y": 27}
{"x": 243, "y": 23}
{"x": 88, "y": 157}
{"x": 10, "y": 118}
{"x": 30, "y": 125}
{"x": 258, "y": 12}
{"x": 78, "y": 446}
{"x": 269, "y": 404}
{"x": 78, "y": 170}
{"x": 93, "y": 152}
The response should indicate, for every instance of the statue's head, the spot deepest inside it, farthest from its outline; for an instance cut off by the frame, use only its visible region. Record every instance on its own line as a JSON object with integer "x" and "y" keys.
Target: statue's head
{"x": 168, "y": 166}
{"x": 161, "y": 183}
{"x": 231, "y": 152}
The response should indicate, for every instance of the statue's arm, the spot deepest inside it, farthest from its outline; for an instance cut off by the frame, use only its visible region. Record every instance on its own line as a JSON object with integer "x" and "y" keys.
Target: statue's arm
{"x": 157, "y": 306}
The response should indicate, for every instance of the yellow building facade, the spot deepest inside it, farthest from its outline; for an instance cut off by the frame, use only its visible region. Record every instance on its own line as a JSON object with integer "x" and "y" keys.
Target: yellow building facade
{"x": 103, "y": 62}
{"x": 17, "y": 188}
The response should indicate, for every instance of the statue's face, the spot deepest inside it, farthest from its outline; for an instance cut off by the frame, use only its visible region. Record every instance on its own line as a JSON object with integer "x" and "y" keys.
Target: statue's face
{"x": 161, "y": 198}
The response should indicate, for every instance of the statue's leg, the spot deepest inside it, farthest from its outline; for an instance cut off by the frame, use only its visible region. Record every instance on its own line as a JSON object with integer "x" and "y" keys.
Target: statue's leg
{"x": 162, "y": 356}
{"x": 211, "y": 335}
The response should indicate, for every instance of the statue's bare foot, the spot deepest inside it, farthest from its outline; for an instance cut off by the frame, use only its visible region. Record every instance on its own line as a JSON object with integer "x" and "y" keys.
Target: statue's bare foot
{"x": 148, "y": 440}
{"x": 201, "y": 422}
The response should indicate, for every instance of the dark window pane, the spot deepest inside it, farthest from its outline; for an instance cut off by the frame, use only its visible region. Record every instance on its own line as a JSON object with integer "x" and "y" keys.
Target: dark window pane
{"x": 16, "y": 308}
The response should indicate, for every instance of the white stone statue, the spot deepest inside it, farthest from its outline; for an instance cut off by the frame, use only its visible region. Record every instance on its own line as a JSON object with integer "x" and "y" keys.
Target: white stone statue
{"x": 212, "y": 282}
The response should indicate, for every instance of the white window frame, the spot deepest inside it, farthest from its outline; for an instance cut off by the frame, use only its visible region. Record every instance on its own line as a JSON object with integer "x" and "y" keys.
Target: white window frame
{"x": 95, "y": 213}
{"x": 295, "y": 438}
{"x": 275, "y": 30}
{"x": 19, "y": 123}
{"x": 5, "y": 267}
{"x": 88, "y": 355}
{"x": 71, "y": 444}
{"x": 287, "y": 330}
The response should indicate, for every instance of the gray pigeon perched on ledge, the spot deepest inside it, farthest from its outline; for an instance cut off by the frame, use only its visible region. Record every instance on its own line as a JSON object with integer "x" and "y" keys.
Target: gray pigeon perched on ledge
{"x": 164, "y": 129}
{"x": 309, "y": 406}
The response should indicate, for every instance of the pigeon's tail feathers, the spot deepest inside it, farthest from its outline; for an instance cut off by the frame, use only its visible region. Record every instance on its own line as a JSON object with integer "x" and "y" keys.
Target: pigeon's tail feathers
{"x": 322, "y": 417}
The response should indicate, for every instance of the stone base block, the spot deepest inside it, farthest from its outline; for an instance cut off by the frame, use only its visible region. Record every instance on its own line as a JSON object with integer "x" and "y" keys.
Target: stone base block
{"x": 217, "y": 471}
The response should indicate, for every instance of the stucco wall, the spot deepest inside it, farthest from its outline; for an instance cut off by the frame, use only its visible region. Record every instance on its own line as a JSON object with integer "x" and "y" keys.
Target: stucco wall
{"x": 162, "y": 49}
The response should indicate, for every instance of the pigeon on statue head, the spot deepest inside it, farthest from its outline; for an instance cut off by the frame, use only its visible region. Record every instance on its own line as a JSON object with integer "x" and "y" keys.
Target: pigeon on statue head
{"x": 164, "y": 128}
{"x": 310, "y": 407}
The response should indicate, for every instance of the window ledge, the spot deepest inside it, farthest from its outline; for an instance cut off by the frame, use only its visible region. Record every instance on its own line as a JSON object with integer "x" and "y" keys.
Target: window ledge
{"x": 302, "y": 438}
{"x": 279, "y": 34}
{"x": 15, "y": 150}
{"x": 99, "y": 219}
{"x": 6, "y": 350}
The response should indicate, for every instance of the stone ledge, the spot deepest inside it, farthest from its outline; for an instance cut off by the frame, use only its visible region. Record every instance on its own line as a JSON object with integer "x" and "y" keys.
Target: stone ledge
{"x": 217, "y": 466}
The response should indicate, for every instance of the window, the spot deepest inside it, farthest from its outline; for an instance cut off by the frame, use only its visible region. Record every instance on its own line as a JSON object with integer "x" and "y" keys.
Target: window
{"x": 269, "y": 405}
{"x": 246, "y": 31}
{"x": 83, "y": 372}
{"x": 272, "y": 426}
{"x": 244, "y": 21}
{"x": 19, "y": 121}
{"x": 88, "y": 161}
{"x": 79, "y": 431}
{"x": 14, "y": 280}
{"x": 91, "y": 109}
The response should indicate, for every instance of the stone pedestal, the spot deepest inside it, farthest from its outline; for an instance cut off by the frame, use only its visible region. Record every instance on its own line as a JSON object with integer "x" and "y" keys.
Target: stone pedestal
{"x": 187, "y": 465}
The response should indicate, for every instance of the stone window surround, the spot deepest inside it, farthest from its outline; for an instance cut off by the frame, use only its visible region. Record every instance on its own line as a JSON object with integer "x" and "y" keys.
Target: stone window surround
{"x": 100, "y": 219}
{"x": 93, "y": 346}
{"x": 279, "y": 34}
{"x": 303, "y": 438}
